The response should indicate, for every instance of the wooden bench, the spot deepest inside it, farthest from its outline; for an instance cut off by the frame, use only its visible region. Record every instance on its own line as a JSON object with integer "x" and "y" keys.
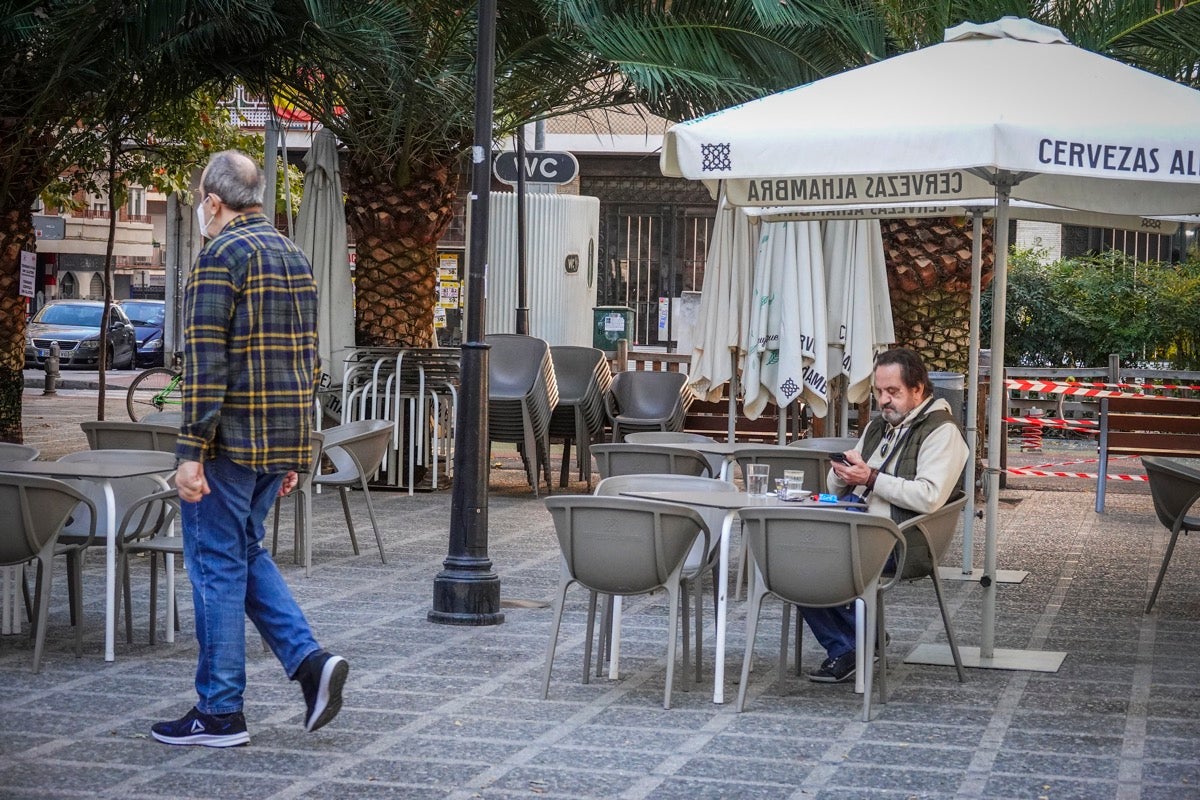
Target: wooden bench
{"x": 1149, "y": 426}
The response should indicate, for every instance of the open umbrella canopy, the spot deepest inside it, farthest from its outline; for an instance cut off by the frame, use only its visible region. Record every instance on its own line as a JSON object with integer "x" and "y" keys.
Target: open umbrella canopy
{"x": 1025, "y": 125}
{"x": 1026, "y": 102}
{"x": 321, "y": 234}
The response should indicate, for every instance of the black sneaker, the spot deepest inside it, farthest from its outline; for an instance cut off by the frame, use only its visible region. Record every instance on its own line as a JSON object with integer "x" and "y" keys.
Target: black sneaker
{"x": 196, "y": 727}
{"x": 322, "y": 676}
{"x": 835, "y": 670}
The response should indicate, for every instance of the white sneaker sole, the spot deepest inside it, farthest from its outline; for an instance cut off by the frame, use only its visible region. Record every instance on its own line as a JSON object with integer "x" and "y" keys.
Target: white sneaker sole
{"x": 329, "y": 693}
{"x": 206, "y": 739}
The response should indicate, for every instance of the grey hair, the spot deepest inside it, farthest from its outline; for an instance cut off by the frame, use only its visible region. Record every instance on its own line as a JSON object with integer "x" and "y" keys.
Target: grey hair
{"x": 235, "y": 178}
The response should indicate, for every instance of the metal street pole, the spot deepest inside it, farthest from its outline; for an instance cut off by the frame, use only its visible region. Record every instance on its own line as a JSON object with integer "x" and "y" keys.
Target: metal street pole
{"x": 467, "y": 591}
{"x": 522, "y": 306}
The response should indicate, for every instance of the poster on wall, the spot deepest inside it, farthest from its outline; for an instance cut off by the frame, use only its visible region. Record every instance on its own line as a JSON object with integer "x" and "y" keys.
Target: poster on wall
{"x": 28, "y": 274}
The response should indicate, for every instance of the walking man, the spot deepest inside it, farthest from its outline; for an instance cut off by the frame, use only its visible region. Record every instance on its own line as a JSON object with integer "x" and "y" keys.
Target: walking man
{"x": 915, "y": 456}
{"x": 250, "y": 372}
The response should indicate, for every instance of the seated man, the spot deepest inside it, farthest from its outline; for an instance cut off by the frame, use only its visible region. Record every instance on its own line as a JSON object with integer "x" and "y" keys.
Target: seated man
{"x": 916, "y": 454}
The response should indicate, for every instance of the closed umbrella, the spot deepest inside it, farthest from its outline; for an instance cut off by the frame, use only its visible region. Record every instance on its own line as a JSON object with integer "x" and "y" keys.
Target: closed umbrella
{"x": 321, "y": 234}
{"x": 787, "y": 355}
{"x": 860, "y": 308}
{"x": 719, "y": 343}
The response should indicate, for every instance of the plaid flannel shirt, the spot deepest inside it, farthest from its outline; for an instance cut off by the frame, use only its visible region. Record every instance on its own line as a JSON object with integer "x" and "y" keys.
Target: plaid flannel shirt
{"x": 250, "y": 350}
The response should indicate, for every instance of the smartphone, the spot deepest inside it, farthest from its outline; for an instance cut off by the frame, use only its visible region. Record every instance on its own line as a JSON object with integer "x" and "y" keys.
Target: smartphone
{"x": 838, "y": 457}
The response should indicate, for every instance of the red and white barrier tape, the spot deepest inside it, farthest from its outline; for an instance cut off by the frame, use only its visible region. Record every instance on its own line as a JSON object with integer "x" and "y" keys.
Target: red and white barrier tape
{"x": 1096, "y": 389}
{"x": 1053, "y": 422}
{"x": 1037, "y": 473}
{"x": 1053, "y": 387}
{"x": 1074, "y": 461}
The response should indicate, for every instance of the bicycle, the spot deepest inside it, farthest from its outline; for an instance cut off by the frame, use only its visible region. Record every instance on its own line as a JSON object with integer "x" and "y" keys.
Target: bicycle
{"x": 154, "y": 390}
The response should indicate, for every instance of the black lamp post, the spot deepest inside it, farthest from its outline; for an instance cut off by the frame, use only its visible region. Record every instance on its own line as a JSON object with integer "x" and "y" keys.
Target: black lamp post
{"x": 522, "y": 326}
{"x": 467, "y": 591}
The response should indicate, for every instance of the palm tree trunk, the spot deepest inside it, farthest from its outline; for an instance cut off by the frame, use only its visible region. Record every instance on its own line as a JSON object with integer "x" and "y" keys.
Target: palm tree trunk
{"x": 929, "y": 277}
{"x": 16, "y": 235}
{"x": 396, "y": 233}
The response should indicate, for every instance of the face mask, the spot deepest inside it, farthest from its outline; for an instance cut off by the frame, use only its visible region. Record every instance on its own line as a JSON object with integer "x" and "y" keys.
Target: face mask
{"x": 200, "y": 218}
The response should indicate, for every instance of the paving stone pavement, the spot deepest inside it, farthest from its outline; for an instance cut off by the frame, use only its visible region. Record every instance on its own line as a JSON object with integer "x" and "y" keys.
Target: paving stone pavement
{"x": 455, "y": 712}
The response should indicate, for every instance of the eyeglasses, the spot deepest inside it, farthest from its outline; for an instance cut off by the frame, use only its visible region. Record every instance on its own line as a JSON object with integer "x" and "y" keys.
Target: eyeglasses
{"x": 887, "y": 442}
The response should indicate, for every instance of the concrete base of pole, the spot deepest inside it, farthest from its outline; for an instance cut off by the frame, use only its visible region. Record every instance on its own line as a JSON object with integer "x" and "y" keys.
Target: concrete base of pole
{"x": 1002, "y": 575}
{"x": 1002, "y": 658}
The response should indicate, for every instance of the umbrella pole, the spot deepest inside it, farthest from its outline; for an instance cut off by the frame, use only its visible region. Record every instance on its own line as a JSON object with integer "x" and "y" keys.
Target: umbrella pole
{"x": 996, "y": 397}
{"x": 972, "y": 415}
{"x": 733, "y": 386}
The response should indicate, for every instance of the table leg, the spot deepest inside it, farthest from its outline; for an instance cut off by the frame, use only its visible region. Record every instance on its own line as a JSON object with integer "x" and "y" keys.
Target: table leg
{"x": 722, "y": 594}
{"x": 110, "y": 570}
{"x": 10, "y": 600}
{"x": 614, "y": 649}
{"x": 861, "y": 656}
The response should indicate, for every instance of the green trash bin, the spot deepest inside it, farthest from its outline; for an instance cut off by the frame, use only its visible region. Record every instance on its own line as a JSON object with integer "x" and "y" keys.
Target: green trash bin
{"x": 610, "y": 323}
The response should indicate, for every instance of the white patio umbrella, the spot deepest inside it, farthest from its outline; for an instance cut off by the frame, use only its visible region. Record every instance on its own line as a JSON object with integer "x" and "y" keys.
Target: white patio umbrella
{"x": 321, "y": 234}
{"x": 1025, "y": 125}
{"x": 787, "y": 356}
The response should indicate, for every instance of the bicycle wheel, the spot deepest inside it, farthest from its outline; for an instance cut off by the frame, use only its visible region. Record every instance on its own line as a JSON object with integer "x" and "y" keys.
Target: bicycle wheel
{"x": 154, "y": 390}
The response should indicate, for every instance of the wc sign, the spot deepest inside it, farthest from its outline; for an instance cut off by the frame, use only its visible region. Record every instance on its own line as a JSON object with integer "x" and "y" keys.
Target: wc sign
{"x": 541, "y": 166}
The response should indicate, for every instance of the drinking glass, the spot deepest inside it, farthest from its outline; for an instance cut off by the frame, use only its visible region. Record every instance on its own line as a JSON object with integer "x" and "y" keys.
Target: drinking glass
{"x": 796, "y": 475}
{"x": 757, "y": 476}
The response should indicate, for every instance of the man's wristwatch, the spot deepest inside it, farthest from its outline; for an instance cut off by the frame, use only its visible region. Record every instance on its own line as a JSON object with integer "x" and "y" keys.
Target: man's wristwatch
{"x": 871, "y": 478}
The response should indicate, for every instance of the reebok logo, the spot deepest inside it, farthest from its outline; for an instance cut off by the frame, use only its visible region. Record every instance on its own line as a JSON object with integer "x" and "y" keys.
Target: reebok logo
{"x": 197, "y": 726}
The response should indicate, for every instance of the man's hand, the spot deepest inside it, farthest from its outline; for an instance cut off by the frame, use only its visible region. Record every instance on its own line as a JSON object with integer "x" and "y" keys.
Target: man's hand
{"x": 190, "y": 481}
{"x": 855, "y": 471}
{"x": 289, "y": 482}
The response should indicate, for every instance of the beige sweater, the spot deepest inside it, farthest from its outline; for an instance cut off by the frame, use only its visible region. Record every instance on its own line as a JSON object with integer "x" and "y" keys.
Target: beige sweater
{"x": 939, "y": 465}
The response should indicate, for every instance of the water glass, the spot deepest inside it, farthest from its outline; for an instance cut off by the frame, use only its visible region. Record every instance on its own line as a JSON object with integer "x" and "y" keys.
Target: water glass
{"x": 757, "y": 476}
{"x": 796, "y": 475}
{"x": 793, "y": 489}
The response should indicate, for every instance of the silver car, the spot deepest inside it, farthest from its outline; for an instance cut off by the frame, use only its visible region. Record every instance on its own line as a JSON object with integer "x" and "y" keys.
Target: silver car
{"x": 75, "y": 325}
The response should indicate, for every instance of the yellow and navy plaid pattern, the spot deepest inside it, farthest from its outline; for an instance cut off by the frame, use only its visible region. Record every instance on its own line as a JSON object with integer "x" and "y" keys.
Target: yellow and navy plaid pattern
{"x": 250, "y": 350}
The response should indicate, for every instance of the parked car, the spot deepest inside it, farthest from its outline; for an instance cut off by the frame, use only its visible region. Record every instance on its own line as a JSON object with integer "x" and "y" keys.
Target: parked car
{"x": 147, "y": 317}
{"x": 75, "y": 325}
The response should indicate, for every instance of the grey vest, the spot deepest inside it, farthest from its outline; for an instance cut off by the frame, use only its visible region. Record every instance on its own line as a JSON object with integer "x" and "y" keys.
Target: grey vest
{"x": 903, "y": 463}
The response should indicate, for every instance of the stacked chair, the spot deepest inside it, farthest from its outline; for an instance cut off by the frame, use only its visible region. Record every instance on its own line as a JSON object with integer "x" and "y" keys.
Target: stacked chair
{"x": 416, "y": 389}
{"x": 641, "y": 400}
{"x": 522, "y": 396}
{"x": 583, "y": 378}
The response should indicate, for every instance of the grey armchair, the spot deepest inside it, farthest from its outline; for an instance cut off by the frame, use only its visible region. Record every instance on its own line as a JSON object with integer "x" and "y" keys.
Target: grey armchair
{"x": 641, "y": 400}
{"x": 18, "y": 452}
{"x": 116, "y": 435}
{"x": 633, "y": 459}
{"x": 820, "y": 558}
{"x": 1174, "y": 488}
{"x": 698, "y": 561}
{"x": 621, "y": 546}
{"x": 34, "y": 511}
{"x": 927, "y": 538}
{"x": 356, "y": 450}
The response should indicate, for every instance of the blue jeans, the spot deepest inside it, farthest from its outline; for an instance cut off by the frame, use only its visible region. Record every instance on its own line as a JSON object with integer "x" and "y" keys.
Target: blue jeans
{"x": 233, "y": 577}
{"x": 833, "y": 628}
